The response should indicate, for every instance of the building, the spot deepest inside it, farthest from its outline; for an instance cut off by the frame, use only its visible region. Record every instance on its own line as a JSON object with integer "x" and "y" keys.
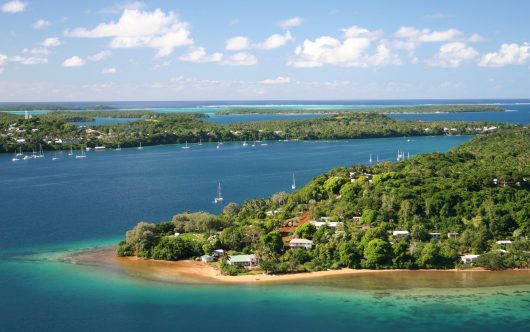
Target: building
{"x": 207, "y": 258}
{"x": 243, "y": 260}
{"x": 504, "y": 242}
{"x": 356, "y": 219}
{"x": 452, "y": 235}
{"x": 435, "y": 235}
{"x": 218, "y": 253}
{"x": 468, "y": 259}
{"x": 332, "y": 224}
{"x": 400, "y": 233}
{"x": 301, "y": 243}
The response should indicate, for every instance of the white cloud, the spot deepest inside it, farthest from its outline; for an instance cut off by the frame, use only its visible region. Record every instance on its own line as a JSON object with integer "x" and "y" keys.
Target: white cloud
{"x": 275, "y": 41}
{"x": 13, "y": 7}
{"x": 277, "y": 80}
{"x": 118, "y": 8}
{"x": 237, "y": 43}
{"x": 428, "y": 36}
{"x": 241, "y": 59}
{"x": 475, "y": 38}
{"x": 290, "y": 23}
{"x": 40, "y": 24}
{"x": 198, "y": 54}
{"x": 3, "y": 60}
{"x": 51, "y": 42}
{"x": 33, "y": 56}
{"x": 74, "y": 61}
{"x": 109, "y": 71}
{"x": 508, "y": 54}
{"x": 99, "y": 56}
{"x": 451, "y": 55}
{"x": 137, "y": 28}
{"x": 352, "y": 51}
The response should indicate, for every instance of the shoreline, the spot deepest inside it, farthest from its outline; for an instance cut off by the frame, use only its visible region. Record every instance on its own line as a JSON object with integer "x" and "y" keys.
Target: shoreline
{"x": 197, "y": 272}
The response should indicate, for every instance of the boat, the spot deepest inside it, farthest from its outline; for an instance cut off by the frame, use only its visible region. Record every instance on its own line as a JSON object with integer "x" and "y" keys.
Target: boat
{"x": 218, "y": 145}
{"x": 219, "y": 197}
{"x": 41, "y": 153}
{"x": 55, "y": 156}
{"x": 118, "y": 148}
{"x": 88, "y": 148}
{"x": 80, "y": 156}
{"x": 185, "y": 147}
{"x": 293, "y": 186}
{"x": 26, "y": 157}
{"x": 71, "y": 153}
{"x": 100, "y": 148}
{"x": 200, "y": 141}
{"x": 19, "y": 154}
{"x": 15, "y": 158}
{"x": 264, "y": 144}
{"x": 245, "y": 143}
{"x": 140, "y": 147}
{"x": 377, "y": 158}
{"x": 254, "y": 144}
{"x": 370, "y": 160}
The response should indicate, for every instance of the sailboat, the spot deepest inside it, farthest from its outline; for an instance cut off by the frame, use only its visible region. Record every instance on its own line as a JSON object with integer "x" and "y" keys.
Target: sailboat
{"x": 186, "y": 146}
{"x": 71, "y": 153}
{"x": 377, "y": 159}
{"x": 200, "y": 141}
{"x": 408, "y": 155}
{"x": 140, "y": 147}
{"x": 245, "y": 143}
{"x": 370, "y": 160}
{"x": 118, "y": 148}
{"x": 218, "y": 145}
{"x": 19, "y": 154}
{"x": 15, "y": 158}
{"x": 55, "y": 156}
{"x": 293, "y": 186}
{"x": 82, "y": 155}
{"x": 219, "y": 197}
{"x": 41, "y": 153}
{"x": 398, "y": 155}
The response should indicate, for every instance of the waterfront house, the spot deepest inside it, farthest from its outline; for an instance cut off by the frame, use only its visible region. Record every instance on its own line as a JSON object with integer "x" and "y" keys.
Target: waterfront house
{"x": 468, "y": 259}
{"x": 301, "y": 243}
{"x": 243, "y": 260}
{"x": 435, "y": 235}
{"x": 218, "y": 253}
{"x": 400, "y": 233}
{"x": 207, "y": 258}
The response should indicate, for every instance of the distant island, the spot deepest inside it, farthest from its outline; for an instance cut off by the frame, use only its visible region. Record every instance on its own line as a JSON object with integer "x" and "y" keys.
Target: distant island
{"x": 57, "y": 130}
{"x": 464, "y": 208}
{"x": 420, "y": 109}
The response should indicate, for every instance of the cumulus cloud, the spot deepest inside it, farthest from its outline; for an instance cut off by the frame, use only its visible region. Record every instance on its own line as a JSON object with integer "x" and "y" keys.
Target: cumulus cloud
{"x": 241, "y": 59}
{"x": 277, "y": 80}
{"x": 290, "y": 23}
{"x": 451, "y": 55}
{"x": 508, "y": 54}
{"x": 74, "y": 61}
{"x": 237, "y": 43}
{"x": 3, "y": 60}
{"x": 428, "y": 36}
{"x": 355, "y": 50}
{"x": 135, "y": 29}
{"x": 109, "y": 71}
{"x": 13, "y": 7}
{"x": 31, "y": 56}
{"x": 51, "y": 42}
{"x": 275, "y": 41}
{"x": 198, "y": 54}
{"x": 99, "y": 56}
{"x": 41, "y": 24}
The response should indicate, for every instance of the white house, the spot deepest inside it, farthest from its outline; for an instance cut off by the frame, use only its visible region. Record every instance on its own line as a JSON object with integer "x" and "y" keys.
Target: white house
{"x": 207, "y": 258}
{"x": 301, "y": 243}
{"x": 452, "y": 235}
{"x": 243, "y": 260}
{"x": 356, "y": 219}
{"x": 504, "y": 242}
{"x": 468, "y": 259}
{"x": 435, "y": 235}
{"x": 218, "y": 253}
{"x": 332, "y": 224}
{"x": 401, "y": 233}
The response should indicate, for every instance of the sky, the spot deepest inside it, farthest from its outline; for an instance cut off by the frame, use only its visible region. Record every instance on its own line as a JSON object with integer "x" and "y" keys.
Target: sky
{"x": 268, "y": 50}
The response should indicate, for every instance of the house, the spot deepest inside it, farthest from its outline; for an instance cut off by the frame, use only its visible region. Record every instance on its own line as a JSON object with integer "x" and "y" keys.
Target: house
{"x": 356, "y": 219}
{"x": 452, "y": 235}
{"x": 504, "y": 242}
{"x": 301, "y": 243}
{"x": 400, "y": 233}
{"x": 243, "y": 260}
{"x": 207, "y": 258}
{"x": 364, "y": 227}
{"x": 435, "y": 235}
{"x": 468, "y": 259}
{"x": 218, "y": 253}
{"x": 332, "y": 224}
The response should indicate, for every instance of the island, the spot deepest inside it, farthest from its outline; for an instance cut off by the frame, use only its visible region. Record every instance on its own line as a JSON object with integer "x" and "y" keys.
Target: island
{"x": 466, "y": 208}
{"x": 58, "y": 130}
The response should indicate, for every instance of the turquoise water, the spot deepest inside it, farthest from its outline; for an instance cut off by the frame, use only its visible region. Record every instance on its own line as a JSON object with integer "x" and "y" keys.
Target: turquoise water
{"x": 52, "y": 208}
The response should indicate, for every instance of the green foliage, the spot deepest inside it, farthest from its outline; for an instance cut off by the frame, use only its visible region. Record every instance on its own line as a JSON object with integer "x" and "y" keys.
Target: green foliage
{"x": 306, "y": 231}
{"x": 376, "y": 254}
{"x": 173, "y": 248}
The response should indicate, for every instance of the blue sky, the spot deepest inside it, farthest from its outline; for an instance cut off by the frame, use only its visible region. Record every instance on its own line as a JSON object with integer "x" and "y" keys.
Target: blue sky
{"x": 200, "y": 50}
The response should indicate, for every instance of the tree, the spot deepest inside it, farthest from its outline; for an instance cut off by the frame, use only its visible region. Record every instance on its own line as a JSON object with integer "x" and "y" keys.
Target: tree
{"x": 350, "y": 254}
{"x": 418, "y": 232}
{"x": 430, "y": 256}
{"x": 306, "y": 231}
{"x": 272, "y": 241}
{"x": 231, "y": 238}
{"x": 376, "y": 254}
{"x": 401, "y": 259}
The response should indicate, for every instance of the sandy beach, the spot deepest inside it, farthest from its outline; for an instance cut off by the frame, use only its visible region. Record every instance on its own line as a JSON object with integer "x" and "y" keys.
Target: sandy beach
{"x": 189, "y": 271}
